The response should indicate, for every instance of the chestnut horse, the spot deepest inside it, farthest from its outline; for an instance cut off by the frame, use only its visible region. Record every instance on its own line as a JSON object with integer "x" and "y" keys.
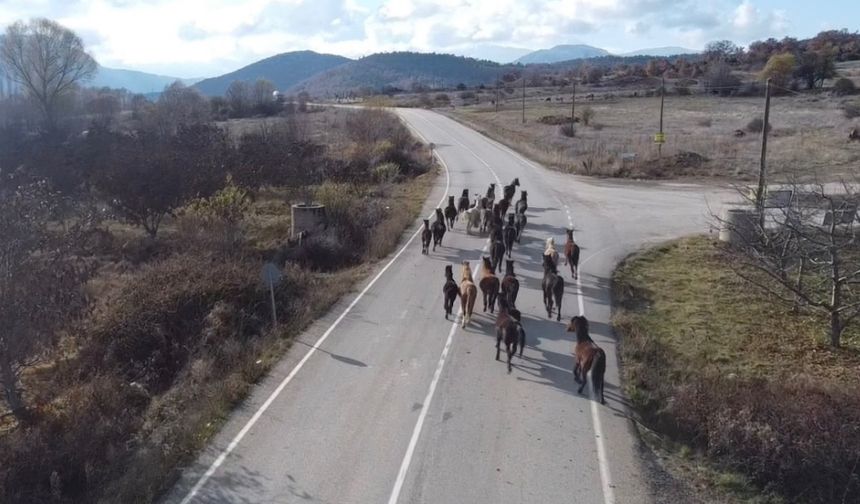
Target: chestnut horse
{"x": 426, "y": 236}
{"x": 510, "y": 330}
{"x": 449, "y": 290}
{"x": 553, "y": 286}
{"x": 450, "y": 212}
{"x": 588, "y": 356}
{"x": 468, "y": 293}
{"x": 489, "y": 284}
{"x": 571, "y": 254}
{"x": 438, "y": 229}
{"x": 510, "y": 285}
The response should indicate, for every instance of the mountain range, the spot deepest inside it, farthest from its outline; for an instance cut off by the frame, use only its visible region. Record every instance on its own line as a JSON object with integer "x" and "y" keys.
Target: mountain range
{"x": 328, "y": 74}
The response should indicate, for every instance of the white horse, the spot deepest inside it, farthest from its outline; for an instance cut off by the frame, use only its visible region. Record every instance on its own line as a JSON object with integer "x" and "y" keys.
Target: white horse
{"x": 551, "y": 251}
{"x": 474, "y": 218}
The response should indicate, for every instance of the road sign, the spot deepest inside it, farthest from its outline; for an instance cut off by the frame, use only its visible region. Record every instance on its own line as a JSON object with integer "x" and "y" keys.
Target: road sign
{"x": 659, "y": 138}
{"x": 271, "y": 274}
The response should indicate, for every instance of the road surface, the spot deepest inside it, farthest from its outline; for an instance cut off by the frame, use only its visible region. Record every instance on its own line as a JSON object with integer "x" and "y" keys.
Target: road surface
{"x": 384, "y": 401}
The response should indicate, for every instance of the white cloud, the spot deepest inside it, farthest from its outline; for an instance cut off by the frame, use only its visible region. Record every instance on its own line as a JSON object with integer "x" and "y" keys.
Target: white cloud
{"x": 192, "y": 37}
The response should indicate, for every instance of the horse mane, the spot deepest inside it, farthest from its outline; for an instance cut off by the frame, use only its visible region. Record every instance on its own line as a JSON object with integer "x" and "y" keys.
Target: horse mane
{"x": 467, "y": 273}
{"x": 580, "y": 323}
{"x": 550, "y": 246}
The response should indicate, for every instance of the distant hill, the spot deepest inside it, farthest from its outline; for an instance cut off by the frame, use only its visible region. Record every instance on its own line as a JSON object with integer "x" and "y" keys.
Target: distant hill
{"x": 660, "y": 52}
{"x": 562, "y": 53}
{"x": 133, "y": 80}
{"x": 284, "y": 70}
{"x": 402, "y": 70}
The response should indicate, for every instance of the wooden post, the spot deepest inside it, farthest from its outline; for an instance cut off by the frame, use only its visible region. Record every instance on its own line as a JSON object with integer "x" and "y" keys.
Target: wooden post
{"x": 274, "y": 308}
{"x": 762, "y": 170}
{"x": 573, "y": 110}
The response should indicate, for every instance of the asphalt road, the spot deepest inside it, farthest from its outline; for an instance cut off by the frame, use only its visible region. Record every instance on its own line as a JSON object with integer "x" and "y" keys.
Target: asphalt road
{"x": 383, "y": 400}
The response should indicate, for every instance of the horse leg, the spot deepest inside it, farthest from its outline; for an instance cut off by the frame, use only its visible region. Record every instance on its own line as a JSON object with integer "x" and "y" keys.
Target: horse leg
{"x": 558, "y": 302}
{"x": 498, "y": 341}
{"x": 493, "y": 295}
{"x": 583, "y": 372}
{"x": 484, "y": 292}
{"x": 508, "y": 345}
{"x": 576, "y": 370}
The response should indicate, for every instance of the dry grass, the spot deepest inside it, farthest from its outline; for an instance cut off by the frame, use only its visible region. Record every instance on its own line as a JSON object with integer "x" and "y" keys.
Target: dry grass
{"x": 809, "y": 135}
{"x": 713, "y": 364}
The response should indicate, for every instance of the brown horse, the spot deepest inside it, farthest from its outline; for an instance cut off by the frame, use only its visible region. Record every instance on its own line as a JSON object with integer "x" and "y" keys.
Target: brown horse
{"x": 489, "y": 284}
{"x": 468, "y": 293}
{"x": 521, "y": 221}
{"x": 450, "y": 213}
{"x": 438, "y": 229}
{"x": 510, "y": 285}
{"x": 426, "y": 236}
{"x": 571, "y": 254}
{"x": 504, "y": 206}
{"x": 510, "y": 234}
{"x": 588, "y": 356}
{"x": 449, "y": 290}
{"x": 553, "y": 286}
{"x": 510, "y": 330}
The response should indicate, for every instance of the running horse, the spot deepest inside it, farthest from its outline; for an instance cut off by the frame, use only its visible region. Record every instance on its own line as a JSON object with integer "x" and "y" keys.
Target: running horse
{"x": 449, "y": 290}
{"x": 426, "y": 236}
{"x": 553, "y": 286}
{"x": 588, "y": 357}
{"x": 521, "y": 222}
{"x": 509, "y": 190}
{"x": 450, "y": 213}
{"x": 468, "y": 293}
{"x": 491, "y": 192}
{"x": 497, "y": 249}
{"x": 510, "y": 285}
{"x": 438, "y": 229}
{"x": 489, "y": 284}
{"x": 463, "y": 203}
{"x": 571, "y": 254}
{"x": 522, "y": 204}
{"x": 510, "y": 234}
{"x": 510, "y": 330}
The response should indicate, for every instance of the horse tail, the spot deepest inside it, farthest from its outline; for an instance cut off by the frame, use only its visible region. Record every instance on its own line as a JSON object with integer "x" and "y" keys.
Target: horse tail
{"x": 522, "y": 333}
{"x": 597, "y": 373}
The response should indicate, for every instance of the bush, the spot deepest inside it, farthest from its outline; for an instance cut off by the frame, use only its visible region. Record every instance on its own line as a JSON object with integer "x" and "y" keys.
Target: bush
{"x": 587, "y": 115}
{"x": 442, "y": 98}
{"x": 567, "y": 130}
{"x": 554, "y": 120}
{"x": 755, "y": 126}
{"x": 467, "y": 95}
{"x": 844, "y": 87}
{"x": 386, "y": 172}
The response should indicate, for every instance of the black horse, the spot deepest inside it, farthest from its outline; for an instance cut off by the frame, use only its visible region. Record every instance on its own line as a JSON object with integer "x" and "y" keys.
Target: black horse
{"x": 553, "y": 286}
{"x": 497, "y": 250}
{"x": 510, "y": 234}
{"x": 438, "y": 229}
{"x": 450, "y": 291}
{"x": 450, "y": 212}
{"x": 521, "y": 221}
{"x": 426, "y": 236}
{"x": 509, "y": 190}
{"x": 522, "y": 204}
{"x": 464, "y": 203}
{"x": 491, "y": 192}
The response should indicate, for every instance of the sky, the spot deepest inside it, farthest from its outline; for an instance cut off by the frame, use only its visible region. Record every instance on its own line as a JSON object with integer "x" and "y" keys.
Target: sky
{"x": 201, "y": 38}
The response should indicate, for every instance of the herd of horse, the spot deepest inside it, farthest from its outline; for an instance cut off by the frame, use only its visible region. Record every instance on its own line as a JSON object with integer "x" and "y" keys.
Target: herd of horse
{"x": 488, "y": 216}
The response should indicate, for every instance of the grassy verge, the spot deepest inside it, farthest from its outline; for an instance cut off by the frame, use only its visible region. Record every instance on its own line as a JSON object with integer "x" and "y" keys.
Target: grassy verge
{"x": 744, "y": 398}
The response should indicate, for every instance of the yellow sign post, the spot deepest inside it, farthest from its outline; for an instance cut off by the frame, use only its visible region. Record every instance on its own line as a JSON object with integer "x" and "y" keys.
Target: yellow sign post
{"x": 660, "y": 138}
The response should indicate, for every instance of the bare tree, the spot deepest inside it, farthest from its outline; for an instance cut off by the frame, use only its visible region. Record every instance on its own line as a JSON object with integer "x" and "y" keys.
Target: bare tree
{"x": 238, "y": 95}
{"x": 47, "y": 60}
{"x": 807, "y": 254}
{"x": 40, "y": 287}
{"x": 263, "y": 92}
{"x": 177, "y": 107}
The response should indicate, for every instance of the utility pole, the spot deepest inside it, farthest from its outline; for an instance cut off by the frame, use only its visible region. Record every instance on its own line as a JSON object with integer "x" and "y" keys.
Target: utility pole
{"x": 762, "y": 171}
{"x": 524, "y": 97}
{"x": 573, "y": 110}
{"x": 498, "y": 82}
{"x": 662, "y": 95}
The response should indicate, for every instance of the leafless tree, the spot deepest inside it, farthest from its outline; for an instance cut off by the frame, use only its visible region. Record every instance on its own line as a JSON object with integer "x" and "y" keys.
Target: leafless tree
{"x": 40, "y": 286}
{"x": 262, "y": 92}
{"x": 807, "y": 254}
{"x": 47, "y": 60}
{"x": 238, "y": 95}
{"x": 178, "y": 106}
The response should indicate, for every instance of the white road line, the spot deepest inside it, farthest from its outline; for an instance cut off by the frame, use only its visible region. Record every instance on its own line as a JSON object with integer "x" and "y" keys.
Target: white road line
{"x": 425, "y": 408}
{"x": 274, "y": 395}
{"x": 602, "y": 459}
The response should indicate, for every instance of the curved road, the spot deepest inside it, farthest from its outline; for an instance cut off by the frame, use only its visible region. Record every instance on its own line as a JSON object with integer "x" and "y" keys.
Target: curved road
{"x": 384, "y": 401}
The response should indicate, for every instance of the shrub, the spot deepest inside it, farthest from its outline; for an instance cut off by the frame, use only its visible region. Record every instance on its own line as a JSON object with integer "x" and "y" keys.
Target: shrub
{"x": 851, "y": 110}
{"x": 386, "y": 172}
{"x": 554, "y": 120}
{"x": 587, "y": 115}
{"x": 567, "y": 130}
{"x": 755, "y": 126}
{"x": 442, "y": 98}
{"x": 229, "y": 204}
{"x": 844, "y": 86}
{"x": 467, "y": 95}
